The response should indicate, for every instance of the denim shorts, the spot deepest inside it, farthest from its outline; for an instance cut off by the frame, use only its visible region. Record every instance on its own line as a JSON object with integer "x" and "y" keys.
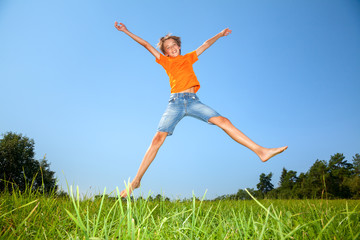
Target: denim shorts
{"x": 181, "y": 105}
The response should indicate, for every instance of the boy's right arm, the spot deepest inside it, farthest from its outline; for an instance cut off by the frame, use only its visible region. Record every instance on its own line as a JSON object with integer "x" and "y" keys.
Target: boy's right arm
{"x": 121, "y": 27}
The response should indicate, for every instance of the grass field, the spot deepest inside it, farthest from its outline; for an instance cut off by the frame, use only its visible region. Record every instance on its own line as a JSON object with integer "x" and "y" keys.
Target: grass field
{"x": 37, "y": 216}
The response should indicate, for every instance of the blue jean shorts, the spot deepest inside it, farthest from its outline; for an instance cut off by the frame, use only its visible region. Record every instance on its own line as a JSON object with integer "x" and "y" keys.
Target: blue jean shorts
{"x": 181, "y": 105}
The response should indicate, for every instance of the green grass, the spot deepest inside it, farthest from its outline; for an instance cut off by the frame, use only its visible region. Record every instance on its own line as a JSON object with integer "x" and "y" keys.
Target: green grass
{"x": 32, "y": 215}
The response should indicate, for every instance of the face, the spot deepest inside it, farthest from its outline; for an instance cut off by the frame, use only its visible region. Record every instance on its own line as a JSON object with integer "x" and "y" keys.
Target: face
{"x": 171, "y": 48}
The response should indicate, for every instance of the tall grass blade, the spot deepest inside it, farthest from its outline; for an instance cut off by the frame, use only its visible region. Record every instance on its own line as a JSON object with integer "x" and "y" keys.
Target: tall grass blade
{"x": 265, "y": 225}
{"x": 99, "y": 214}
{"x": 18, "y": 208}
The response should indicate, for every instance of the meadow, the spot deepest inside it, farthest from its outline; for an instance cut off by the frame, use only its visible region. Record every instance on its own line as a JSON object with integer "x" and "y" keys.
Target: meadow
{"x": 32, "y": 215}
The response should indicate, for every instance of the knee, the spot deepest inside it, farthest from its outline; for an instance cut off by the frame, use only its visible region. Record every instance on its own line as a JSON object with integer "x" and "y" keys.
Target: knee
{"x": 220, "y": 121}
{"x": 158, "y": 139}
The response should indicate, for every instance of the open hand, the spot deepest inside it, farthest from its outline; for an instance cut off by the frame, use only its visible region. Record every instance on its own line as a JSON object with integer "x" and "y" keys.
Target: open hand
{"x": 120, "y": 27}
{"x": 225, "y": 32}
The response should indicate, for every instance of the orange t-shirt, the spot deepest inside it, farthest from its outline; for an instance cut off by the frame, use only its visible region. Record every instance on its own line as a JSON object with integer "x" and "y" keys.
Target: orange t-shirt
{"x": 180, "y": 71}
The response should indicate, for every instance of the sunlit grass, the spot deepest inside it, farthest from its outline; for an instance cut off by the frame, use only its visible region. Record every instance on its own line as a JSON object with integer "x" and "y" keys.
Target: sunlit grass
{"x": 32, "y": 215}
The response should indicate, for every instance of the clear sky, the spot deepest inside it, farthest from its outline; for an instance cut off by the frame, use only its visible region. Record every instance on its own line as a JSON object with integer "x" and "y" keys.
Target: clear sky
{"x": 91, "y": 98}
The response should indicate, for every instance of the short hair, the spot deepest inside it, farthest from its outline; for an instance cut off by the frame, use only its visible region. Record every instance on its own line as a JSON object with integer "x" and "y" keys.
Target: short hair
{"x": 160, "y": 45}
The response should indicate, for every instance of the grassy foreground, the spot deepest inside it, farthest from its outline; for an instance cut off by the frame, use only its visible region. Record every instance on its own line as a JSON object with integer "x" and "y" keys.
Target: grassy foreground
{"x": 37, "y": 216}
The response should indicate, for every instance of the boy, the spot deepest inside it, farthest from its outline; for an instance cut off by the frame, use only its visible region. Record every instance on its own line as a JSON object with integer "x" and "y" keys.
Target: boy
{"x": 184, "y": 101}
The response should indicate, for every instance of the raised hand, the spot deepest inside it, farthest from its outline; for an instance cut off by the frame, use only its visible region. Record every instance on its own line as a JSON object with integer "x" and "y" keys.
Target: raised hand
{"x": 212, "y": 40}
{"x": 120, "y": 27}
{"x": 225, "y": 32}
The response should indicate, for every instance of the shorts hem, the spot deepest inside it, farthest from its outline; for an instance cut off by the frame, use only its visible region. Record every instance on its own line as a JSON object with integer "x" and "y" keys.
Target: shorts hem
{"x": 168, "y": 133}
{"x": 218, "y": 115}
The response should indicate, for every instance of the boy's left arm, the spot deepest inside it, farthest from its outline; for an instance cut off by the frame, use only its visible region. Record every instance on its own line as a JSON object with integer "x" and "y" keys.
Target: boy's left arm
{"x": 212, "y": 40}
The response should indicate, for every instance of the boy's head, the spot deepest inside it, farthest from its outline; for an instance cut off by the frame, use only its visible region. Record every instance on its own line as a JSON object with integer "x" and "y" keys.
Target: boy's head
{"x": 170, "y": 45}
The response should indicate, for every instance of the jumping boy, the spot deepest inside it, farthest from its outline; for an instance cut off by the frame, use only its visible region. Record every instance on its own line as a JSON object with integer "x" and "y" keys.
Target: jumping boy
{"x": 184, "y": 101}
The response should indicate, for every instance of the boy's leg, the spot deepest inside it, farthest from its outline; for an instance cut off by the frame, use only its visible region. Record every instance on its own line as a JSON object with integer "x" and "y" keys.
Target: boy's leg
{"x": 150, "y": 154}
{"x": 263, "y": 153}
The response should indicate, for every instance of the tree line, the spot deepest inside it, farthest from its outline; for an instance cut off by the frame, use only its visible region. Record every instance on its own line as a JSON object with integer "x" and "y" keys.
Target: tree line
{"x": 20, "y": 171}
{"x": 333, "y": 179}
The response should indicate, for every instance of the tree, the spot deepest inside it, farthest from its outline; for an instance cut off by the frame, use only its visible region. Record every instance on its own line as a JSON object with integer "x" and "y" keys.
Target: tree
{"x": 356, "y": 163}
{"x": 339, "y": 173}
{"x": 300, "y": 186}
{"x": 315, "y": 184}
{"x": 287, "y": 183}
{"x": 353, "y": 184}
{"x": 158, "y": 197}
{"x": 265, "y": 185}
{"x": 243, "y": 195}
{"x": 18, "y": 166}
{"x": 47, "y": 176}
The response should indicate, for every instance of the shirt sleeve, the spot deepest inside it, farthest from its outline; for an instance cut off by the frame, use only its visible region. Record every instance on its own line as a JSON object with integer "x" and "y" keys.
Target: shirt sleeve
{"x": 193, "y": 57}
{"x": 162, "y": 60}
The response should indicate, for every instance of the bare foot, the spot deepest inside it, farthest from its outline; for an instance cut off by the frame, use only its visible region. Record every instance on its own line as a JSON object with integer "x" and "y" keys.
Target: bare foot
{"x": 268, "y": 153}
{"x": 133, "y": 185}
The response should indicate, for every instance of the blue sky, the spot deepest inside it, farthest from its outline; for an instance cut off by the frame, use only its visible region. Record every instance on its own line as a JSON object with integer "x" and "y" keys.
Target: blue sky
{"x": 91, "y": 97}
